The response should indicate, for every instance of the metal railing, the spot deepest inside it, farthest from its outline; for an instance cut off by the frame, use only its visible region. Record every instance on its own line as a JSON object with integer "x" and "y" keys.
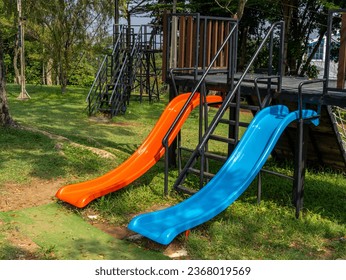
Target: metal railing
{"x": 102, "y": 78}
{"x": 225, "y": 105}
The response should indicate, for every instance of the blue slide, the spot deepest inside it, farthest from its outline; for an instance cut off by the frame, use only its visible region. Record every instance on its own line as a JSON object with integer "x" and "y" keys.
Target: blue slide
{"x": 228, "y": 184}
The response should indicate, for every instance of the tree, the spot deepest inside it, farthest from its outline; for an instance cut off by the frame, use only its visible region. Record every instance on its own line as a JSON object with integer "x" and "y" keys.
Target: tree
{"x": 66, "y": 29}
{"x": 5, "y": 117}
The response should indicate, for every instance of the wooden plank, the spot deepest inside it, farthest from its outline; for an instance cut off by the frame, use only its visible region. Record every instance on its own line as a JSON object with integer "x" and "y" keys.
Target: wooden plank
{"x": 189, "y": 42}
{"x": 208, "y": 42}
{"x": 221, "y": 29}
{"x": 194, "y": 43}
{"x": 201, "y": 43}
{"x": 182, "y": 39}
{"x": 227, "y": 47}
{"x": 164, "y": 46}
{"x": 342, "y": 55}
{"x": 214, "y": 40}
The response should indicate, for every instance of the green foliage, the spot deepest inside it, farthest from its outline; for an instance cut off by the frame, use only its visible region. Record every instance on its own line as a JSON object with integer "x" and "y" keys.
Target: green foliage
{"x": 312, "y": 71}
{"x": 57, "y": 35}
{"x": 83, "y": 74}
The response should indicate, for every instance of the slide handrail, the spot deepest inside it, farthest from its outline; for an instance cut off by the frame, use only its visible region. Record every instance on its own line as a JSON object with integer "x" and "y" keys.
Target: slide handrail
{"x": 224, "y": 106}
{"x": 102, "y": 66}
{"x": 136, "y": 43}
{"x": 201, "y": 80}
{"x": 229, "y": 97}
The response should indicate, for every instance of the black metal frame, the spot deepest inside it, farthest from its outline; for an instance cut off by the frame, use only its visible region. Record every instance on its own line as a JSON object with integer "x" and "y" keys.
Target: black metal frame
{"x": 201, "y": 149}
{"x": 119, "y": 71}
{"x": 300, "y": 160}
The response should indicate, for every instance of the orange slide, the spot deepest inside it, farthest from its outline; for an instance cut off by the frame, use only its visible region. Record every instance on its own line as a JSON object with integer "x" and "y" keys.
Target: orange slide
{"x": 141, "y": 161}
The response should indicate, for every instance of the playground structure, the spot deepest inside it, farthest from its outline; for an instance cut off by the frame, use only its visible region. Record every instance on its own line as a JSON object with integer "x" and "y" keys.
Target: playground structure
{"x": 205, "y": 61}
{"x": 130, "y": 67}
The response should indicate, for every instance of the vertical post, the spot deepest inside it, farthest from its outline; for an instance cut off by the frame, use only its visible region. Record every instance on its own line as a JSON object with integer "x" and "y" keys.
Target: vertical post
{"x": 165, "y": 46}
{"x": 173, "y": 55}
{"x": 116, "y": 19}
{"x": 342, "y": 55}
{"x": 327, "y": 52}
{"x": 23, "y": 93}
{"x": 259, "y": 187}
{"x": 172, "y": 155}
{"x": 300, "y": 166}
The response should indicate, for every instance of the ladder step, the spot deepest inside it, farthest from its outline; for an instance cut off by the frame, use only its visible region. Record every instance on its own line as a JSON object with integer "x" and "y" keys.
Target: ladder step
{"x": 207, "y": 154}
{"x": 232, "y": 122}
{"x": 198, "y": 172}
{"x": 215, "y": 156}
{"x": 222, "y": 139}
{"x": 185, "y": 189}
{"x": 244, "y": 106}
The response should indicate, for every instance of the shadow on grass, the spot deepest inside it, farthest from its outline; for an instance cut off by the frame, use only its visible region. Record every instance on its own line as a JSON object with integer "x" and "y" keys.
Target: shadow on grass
{"x": 26, "y": 153}
{"x": 324, "y": 194}
{"x": 12, "y": 252}
{"x": 62, "y": 234}
{"x": 247, "y": 231}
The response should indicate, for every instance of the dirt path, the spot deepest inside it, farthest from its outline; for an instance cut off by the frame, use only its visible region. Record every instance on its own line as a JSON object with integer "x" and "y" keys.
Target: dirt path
{"x": 19, "y": 196}
{"x": 40, "y": 192}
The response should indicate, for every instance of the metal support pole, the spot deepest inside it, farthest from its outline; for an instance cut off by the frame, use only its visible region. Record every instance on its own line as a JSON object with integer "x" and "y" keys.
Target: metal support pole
{"x": 259, "y": 187}
{"x": 300, "y": 166}
{"x": 342, "y": 55}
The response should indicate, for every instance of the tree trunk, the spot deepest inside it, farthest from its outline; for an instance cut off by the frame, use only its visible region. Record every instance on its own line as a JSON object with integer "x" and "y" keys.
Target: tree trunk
{"x": 15, "y": 63}
{"x": 287, "y": 7}
{"x": 241, "y": 7}
{"x": 308, "y": 61}
{"x": 5, "y": 117}
{"x": 243, "y": 51}
{"x": 48, "y": 72}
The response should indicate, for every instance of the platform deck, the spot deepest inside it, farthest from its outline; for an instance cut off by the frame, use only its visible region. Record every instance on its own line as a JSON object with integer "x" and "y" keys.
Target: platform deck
{"x": 325, "y": 144}
{"x": 289, "y": 90}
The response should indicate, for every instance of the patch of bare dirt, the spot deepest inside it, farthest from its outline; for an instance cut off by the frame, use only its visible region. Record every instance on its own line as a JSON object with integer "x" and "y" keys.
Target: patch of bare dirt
{"x": 40, "y": 192}
{"x": 26, "y": 248}
{"x": 19, "y": 196}
{"x": 174, "y": 250}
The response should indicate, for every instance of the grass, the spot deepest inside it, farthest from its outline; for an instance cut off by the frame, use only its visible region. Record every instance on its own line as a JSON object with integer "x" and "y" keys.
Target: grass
{"x": 47, "y": 224}
{"x": 245, "y": 230}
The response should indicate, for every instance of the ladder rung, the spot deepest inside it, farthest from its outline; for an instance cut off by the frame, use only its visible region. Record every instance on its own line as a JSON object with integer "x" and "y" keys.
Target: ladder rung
{"x": 215, "y": 156}
{"x": 207, "y": 154}
{"x": 198, "y": 172}
{"x": 222, "y": 139}
{"x": 249, "y": 107}
{"x": 232, "y": 122}
{"x": 185, "y": 189}
{"x": 244, "y": 106}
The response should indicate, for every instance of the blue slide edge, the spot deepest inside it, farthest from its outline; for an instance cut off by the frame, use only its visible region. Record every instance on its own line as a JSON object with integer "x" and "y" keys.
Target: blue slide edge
{"x": 228, "y": 184}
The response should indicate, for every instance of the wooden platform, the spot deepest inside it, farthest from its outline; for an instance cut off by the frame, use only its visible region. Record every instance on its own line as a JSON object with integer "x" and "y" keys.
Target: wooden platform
{"x": 313, "y": 93}
{"x": 325, "y": 145}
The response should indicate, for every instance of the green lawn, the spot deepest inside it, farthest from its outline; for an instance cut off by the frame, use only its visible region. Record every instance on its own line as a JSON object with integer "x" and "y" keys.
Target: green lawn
{"x": 245, "y": 230}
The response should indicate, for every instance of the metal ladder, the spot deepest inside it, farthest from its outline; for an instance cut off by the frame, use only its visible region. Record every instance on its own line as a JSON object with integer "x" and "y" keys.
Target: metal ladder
{"x": 201, "y": 155}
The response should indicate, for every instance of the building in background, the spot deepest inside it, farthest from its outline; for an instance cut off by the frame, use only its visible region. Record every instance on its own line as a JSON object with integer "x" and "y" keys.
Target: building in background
{"x": 320, "y": 56}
